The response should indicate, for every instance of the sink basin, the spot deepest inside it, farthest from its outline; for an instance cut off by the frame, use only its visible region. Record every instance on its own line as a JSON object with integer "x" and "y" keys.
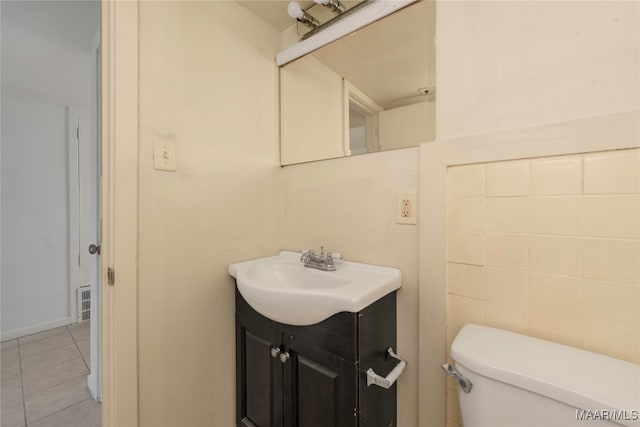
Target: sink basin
{"x": 281, "y": 288}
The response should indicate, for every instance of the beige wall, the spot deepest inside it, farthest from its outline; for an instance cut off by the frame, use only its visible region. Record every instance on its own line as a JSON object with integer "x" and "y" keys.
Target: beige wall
{"x": 348, "y": 205}
{"x": 311, "y": 112}
{"x": 407, "y": 126}
{"x": 547, "y": 247}
{"x": 514, "y": 80}
{"x": 207, "y": 79}
{"x": 505, "y": 65}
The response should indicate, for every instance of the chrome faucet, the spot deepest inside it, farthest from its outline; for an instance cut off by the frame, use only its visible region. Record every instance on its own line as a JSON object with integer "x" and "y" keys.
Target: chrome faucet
{"x": 321, "y": 262}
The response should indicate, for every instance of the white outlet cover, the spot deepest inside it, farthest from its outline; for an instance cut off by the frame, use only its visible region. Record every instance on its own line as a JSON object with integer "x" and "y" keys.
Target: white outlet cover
{"x": 413, "y": 208}
{"x": 164, "y": 153}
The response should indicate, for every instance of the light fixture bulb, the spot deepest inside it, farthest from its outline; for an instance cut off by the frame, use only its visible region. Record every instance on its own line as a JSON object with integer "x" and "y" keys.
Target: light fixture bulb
{"x": 333, "y": 5}
{"x": 294, "y": 10}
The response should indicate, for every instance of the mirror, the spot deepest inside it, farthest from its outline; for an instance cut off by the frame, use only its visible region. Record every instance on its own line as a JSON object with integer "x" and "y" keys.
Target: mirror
{"x": 369, "y": 91}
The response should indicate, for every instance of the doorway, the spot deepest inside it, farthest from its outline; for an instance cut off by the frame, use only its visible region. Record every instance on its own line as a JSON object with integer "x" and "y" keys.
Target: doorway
{"x": 48, "y": 360}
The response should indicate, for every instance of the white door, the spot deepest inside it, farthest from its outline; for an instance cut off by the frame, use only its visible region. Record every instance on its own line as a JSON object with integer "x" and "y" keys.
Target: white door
{"x": 78, "y": 206}
{"x": 88, "y": 206}
{"x": 83, "y": 199}
{"x": 84, "y": 224}
{"x": 95, "y": 375}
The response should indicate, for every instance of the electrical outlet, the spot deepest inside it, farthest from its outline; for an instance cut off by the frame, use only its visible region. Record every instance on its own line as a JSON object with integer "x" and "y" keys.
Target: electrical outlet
{"x": 164, "y": 153}
{"x": 406, "y": 208}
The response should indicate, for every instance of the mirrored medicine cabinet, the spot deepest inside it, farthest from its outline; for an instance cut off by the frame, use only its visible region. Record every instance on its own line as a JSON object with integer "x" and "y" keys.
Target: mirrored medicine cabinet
{"x": 370, "y": 91}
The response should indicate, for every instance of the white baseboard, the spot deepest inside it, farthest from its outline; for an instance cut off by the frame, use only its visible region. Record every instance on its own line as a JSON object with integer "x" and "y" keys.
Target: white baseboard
{"x": 34, "y": 329}
{"x": 92, "y": 385}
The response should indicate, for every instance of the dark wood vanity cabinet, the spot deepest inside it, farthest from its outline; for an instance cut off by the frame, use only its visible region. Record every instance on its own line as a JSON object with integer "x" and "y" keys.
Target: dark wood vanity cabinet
{"x": 315, "y": 376}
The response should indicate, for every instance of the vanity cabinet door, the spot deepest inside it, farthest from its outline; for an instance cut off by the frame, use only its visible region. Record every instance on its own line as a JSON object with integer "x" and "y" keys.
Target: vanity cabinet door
{"x": 259, "y": 373}
{"x": 319, "y": 388}
{"x": 315, "y": 376}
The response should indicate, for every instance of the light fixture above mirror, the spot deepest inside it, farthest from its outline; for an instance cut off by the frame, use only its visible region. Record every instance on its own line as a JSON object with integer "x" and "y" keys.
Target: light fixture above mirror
{"x": 296, "y": 12}
{"x": 320, "y": 14}
{"x": 333, "y": 5}
{"x": 358, "y": 14}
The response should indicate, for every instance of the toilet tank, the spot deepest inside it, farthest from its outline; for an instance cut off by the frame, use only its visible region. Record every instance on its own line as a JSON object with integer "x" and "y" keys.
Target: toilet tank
{"x": 524, "y": 381}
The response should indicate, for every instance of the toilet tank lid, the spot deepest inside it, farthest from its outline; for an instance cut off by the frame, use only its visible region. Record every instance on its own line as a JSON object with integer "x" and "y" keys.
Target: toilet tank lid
{"x": 575, "y": 377}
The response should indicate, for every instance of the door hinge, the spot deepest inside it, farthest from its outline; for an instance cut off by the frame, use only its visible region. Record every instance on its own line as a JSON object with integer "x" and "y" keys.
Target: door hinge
{"x": 79, "y": 259}
{"x": 78, "y": 132}
{"x": 111, "y": 276}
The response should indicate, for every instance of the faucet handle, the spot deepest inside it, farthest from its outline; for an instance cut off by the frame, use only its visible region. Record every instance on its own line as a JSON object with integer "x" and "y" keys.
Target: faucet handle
{"x": 305, "y": 254}
{"x": 335, "y": 255}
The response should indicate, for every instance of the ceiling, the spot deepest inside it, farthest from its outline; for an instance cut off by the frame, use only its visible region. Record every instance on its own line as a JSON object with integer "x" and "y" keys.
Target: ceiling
{"x": 273, "y": 12}
{"x": 390, "y": 59}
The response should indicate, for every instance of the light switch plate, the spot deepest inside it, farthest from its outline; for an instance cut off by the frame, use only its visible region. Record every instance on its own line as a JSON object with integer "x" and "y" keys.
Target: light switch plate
{"x": 164, "y": 153}
{"x": 406, "y": 208}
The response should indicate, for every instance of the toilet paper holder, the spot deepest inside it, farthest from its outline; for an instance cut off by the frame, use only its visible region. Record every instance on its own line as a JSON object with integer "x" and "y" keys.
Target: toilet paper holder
{"x": 390, "y": 379}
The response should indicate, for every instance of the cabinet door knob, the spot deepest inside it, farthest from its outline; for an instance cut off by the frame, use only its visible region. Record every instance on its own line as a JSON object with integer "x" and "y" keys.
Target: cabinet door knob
{"x": 275, "y": 352}
{"x": 284, "y": 357}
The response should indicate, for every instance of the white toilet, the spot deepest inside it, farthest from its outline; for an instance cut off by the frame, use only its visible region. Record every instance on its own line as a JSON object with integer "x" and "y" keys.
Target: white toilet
{"x": 517, "y": 380}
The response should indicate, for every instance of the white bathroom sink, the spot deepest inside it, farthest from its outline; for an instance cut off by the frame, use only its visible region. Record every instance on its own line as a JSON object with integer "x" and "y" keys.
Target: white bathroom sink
{"x": 281, "y": 288}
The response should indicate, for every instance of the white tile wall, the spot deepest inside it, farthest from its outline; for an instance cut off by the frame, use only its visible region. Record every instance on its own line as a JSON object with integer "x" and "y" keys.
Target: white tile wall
{"x": 466, "y": 280}
{"x": 467, "y": 181}
{"x": 465, "y": 247}
{"x": 611, "y": 340}
{"x": 507, "y": 214}
{"x": 612, "y": 259}
{"x": 463, "y": 310}
{"x": 507, "y": 250}
{"x": 553, "y": 254}
{"x": 466, "y": 214}
{"x": 506, "y": 317}
{"x": 559, "y": 175}
{"x": 612, "y": 172}
{"x": 610, "y": 303}
{"x": 555, "y": 294}
{"x": 611, "y": 216}
{"x": 549, "y": 247}
{"x": 507, "y": 179}
{"x": 505, "y": 286}
{"x": 559, "y": 215}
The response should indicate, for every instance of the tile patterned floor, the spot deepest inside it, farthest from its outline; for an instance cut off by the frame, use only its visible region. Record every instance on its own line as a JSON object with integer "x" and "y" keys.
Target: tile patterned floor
{"x": 44, "y": 380}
